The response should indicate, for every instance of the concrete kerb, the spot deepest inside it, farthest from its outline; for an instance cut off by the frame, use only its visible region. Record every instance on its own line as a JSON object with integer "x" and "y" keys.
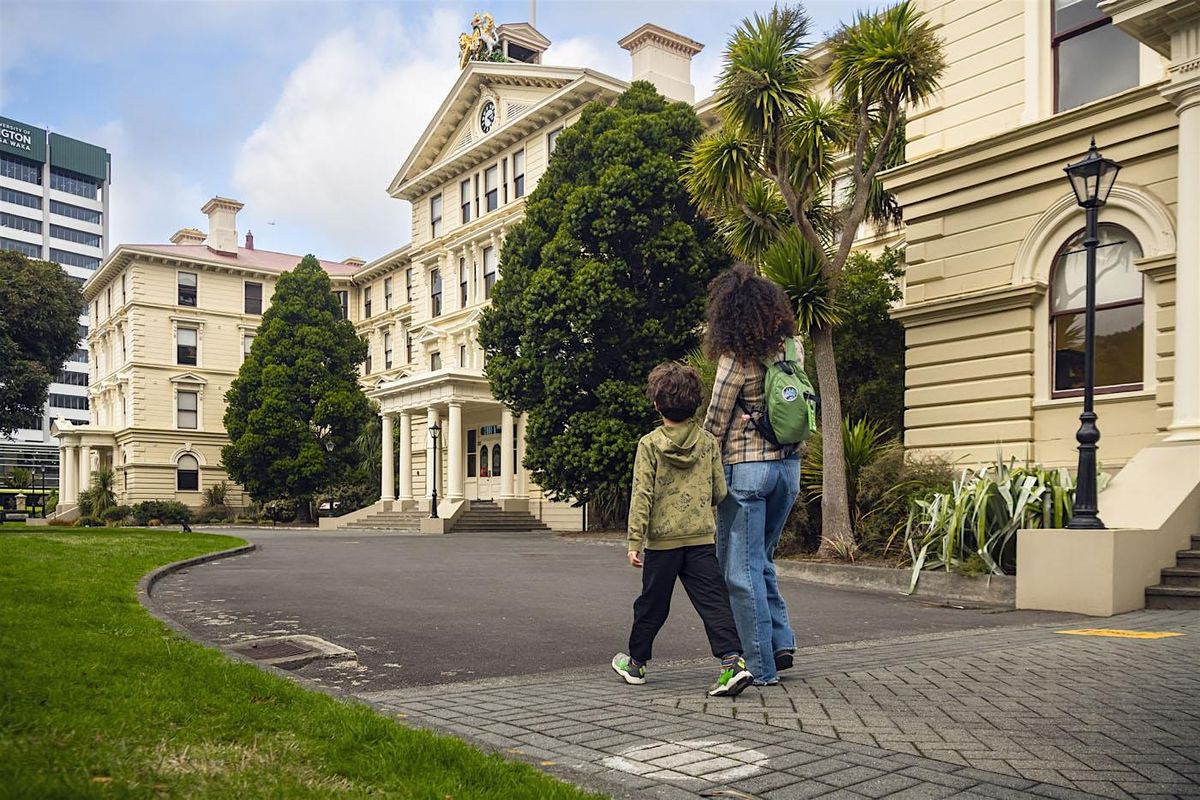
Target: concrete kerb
{"x": 985, "y": 590}
{"x": 145, "y": 595}
{"x": 998, "y": 591}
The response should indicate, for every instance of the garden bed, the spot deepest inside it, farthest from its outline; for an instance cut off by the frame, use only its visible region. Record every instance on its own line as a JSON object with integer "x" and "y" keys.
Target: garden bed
{"x": 984, "y": 590}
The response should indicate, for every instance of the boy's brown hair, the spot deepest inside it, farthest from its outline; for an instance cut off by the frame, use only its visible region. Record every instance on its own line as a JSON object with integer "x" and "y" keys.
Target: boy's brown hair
{"x": 675, "y": 390}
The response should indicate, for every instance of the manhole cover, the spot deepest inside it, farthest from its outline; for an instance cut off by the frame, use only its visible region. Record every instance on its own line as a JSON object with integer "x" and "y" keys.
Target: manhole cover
{"x": 291, "y": 652}
{"x": 261, "y": 652}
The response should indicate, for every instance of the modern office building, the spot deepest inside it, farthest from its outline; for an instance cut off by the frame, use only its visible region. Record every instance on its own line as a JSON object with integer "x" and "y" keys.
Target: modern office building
{"x": 54, "y": 204}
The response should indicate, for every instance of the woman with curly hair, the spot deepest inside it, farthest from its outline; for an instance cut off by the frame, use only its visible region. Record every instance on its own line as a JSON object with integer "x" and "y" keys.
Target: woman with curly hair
{"x": 750, "y": 320}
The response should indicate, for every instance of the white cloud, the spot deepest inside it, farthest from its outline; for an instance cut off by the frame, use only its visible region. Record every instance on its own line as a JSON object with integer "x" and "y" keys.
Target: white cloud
{"x": 319, "y": 164}
{"x": 598, "y": 54}
{"x": 151, "y": 198}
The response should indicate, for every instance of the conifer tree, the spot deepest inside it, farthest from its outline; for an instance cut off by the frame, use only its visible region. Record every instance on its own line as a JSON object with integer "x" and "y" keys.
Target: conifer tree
{"x": 296, "y": 406}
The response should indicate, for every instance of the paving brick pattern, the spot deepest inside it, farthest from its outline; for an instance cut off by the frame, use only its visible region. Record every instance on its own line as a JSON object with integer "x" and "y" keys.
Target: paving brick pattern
{"x": 991, "y": 714}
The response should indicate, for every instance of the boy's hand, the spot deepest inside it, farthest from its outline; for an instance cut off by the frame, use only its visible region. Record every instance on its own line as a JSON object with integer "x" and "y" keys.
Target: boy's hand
{"x": 635, "y": 559}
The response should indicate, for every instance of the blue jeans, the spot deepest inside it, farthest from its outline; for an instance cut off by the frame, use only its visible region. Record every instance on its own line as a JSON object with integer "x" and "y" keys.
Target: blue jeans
{"x": 749, "y": 522}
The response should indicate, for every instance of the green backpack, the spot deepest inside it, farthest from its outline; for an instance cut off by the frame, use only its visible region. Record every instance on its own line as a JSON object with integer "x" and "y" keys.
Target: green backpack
{"x": 790, "y": 415}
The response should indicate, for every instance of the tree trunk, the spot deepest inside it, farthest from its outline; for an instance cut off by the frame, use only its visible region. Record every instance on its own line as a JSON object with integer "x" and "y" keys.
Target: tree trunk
{"x": 304, "y": 510}
{"x": 835, "y": 501}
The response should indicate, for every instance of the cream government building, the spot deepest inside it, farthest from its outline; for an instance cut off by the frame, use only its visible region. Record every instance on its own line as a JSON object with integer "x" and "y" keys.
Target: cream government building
{"x": 991, "y": 307}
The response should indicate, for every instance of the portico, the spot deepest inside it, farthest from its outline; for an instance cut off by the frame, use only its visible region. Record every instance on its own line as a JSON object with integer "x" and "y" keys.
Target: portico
{"x": 479, "y": 447}
{"x": 82, "y": 449}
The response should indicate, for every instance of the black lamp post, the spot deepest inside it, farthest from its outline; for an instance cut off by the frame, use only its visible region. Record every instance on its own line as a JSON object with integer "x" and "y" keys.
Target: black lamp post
{"x": 1092, "y": 178}
{"x": 435, "y": 430}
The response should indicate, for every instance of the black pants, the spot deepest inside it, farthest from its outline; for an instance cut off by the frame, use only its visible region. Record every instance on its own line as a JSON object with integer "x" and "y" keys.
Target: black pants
{"x": 701, "y": 575}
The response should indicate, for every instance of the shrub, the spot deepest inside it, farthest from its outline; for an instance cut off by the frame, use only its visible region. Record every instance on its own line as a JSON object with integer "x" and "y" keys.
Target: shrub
{"x": 216, "y": 494}
{"x": 86, "y": 502}
{"x": 978, "y": 519}
{"x": 117, "y": 514}
{"x": 161, "y": 511}
{"x": 89, "y": 522}
{"x": 280, "y": 510}
{"x": 887, "y": 488}
{"x": 210, "y": 514}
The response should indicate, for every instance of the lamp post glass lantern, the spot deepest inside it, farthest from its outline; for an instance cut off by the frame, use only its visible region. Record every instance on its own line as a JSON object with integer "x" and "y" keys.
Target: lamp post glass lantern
{"x": 435, "y": 430}
{"x": 1092, "y": 178}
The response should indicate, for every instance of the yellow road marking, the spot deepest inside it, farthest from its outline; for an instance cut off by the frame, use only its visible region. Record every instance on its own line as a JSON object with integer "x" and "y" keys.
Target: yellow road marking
{"x": 1115, "y": 634}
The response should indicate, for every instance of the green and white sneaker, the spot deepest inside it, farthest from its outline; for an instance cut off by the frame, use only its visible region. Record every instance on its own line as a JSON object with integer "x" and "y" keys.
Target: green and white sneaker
{"x": 623, "y": 665}
{"x": 732, "y": 680}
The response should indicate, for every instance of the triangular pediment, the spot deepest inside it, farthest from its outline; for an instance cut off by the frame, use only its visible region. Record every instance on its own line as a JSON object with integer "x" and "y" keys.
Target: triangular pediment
{"x": 519, "y": 90}
{"x": 429, "y": 334}
{"x": 189, "y": 377}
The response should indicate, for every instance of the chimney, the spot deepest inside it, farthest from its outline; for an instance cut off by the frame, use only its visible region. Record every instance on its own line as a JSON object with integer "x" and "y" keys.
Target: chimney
{"x": 222, "y": 224}
{"x": 354, "y": 261}
{"x": 187, "y": 236}
{"x": 664, "y": 58}
{"x": 249, "y": 240}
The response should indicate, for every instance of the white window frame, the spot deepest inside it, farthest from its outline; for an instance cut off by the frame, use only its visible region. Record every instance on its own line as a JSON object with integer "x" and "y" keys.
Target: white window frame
{"x": 199, "y": 476}
{"x": 195, "y": 274}
{"x": 262, "y": 297}
{"x": 199, "y": 393}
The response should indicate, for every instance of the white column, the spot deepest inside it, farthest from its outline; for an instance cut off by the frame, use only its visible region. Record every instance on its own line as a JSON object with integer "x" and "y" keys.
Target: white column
{"x": 1185, "y": 422}
{"x": 406, "y": 464}
{"x": 454, "y": 443}
{"x": 431, "y": 478}
{"x": 85, "y": 467}
{"x": 507, "y": 464}
{"x": 522, "y": 488}
{"x": 68, "y": 474}
{"x": 388, "y": 477}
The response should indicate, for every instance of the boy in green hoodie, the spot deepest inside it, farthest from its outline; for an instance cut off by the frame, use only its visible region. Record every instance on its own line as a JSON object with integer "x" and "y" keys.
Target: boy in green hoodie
{"x": 677, "y": 481}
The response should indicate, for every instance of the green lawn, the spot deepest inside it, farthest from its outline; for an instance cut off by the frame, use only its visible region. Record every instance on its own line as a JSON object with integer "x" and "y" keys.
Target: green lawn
{"x": 97, "y": 698}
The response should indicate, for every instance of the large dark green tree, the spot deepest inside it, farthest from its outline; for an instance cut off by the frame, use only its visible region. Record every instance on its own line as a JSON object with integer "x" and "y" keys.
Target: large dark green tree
{"x": 604, "y": 278}
{"x": 870, "y": 344}
{"x": 295, "y": 409}
{"x": 39, "y": 329}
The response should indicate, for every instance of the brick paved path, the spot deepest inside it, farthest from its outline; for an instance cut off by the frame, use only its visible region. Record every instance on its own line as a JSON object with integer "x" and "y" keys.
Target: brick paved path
{"x": 1002, "y": 713}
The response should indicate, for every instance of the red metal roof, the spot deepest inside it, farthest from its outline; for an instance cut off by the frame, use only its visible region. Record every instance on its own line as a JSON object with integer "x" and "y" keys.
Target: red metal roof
{"x": 266, "y": 260}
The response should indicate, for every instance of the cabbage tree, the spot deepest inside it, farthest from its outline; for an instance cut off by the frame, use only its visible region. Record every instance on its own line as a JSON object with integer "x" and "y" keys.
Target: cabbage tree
{"x": 795, "y": 119}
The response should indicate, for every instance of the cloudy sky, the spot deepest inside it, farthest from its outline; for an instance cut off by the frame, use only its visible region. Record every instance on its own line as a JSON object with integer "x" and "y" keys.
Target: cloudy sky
{"x": 302, "y": 110}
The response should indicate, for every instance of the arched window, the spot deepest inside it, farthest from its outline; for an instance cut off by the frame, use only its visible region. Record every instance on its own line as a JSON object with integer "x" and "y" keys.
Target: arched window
{"x": 1119, "y": 324}
{"x": 483, "y": 462}
{"x": 495, "y": 459}
{"x": 187, "y": 474}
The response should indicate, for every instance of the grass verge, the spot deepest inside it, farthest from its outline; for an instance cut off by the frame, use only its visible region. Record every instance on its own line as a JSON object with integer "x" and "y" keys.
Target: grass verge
{"x": 99, "y": 699}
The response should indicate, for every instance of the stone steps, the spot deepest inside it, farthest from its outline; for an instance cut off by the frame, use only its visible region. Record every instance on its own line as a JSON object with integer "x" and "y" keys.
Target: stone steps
{"x": 484, "y": 516}
{"x": 1180, "y": 587}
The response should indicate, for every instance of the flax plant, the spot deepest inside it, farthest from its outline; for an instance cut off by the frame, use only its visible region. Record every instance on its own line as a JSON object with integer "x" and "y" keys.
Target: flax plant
{"x": 976, "y": 522}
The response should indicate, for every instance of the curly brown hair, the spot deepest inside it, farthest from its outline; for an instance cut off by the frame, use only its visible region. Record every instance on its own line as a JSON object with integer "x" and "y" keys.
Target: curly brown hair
{"x": 675, "y": 390}
{"x": 748, "y": 315}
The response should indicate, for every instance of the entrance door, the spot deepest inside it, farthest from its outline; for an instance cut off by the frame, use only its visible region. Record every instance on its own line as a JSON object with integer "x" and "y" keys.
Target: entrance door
{"x": 483, "y": 462}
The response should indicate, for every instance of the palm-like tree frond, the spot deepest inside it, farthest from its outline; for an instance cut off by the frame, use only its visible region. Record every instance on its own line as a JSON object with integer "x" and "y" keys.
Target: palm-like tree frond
{"x": 891, "y": 57}
{"x": 743, "y": 228}
{"x": 719, "y": 169}
{"x": 766, "y": 71}
{"x": 796, "y": 266}
{"x": 816, "y": 133}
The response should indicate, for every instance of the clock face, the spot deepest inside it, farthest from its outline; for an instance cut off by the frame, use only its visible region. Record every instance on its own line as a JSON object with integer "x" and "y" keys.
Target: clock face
{"x": 487, "y": 116}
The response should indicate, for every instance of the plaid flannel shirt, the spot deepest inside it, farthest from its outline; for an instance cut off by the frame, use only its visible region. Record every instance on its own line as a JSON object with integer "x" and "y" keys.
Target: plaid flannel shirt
{"x": 725, "y": 420}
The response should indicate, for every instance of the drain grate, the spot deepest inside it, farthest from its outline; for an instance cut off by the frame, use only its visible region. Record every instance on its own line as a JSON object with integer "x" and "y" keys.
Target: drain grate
{"x": 266, "y": 652}
{"x": 291, "y": 652}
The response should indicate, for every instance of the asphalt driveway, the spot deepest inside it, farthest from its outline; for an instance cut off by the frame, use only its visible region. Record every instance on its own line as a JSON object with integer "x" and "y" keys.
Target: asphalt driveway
{"x": 424, "y": 610}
